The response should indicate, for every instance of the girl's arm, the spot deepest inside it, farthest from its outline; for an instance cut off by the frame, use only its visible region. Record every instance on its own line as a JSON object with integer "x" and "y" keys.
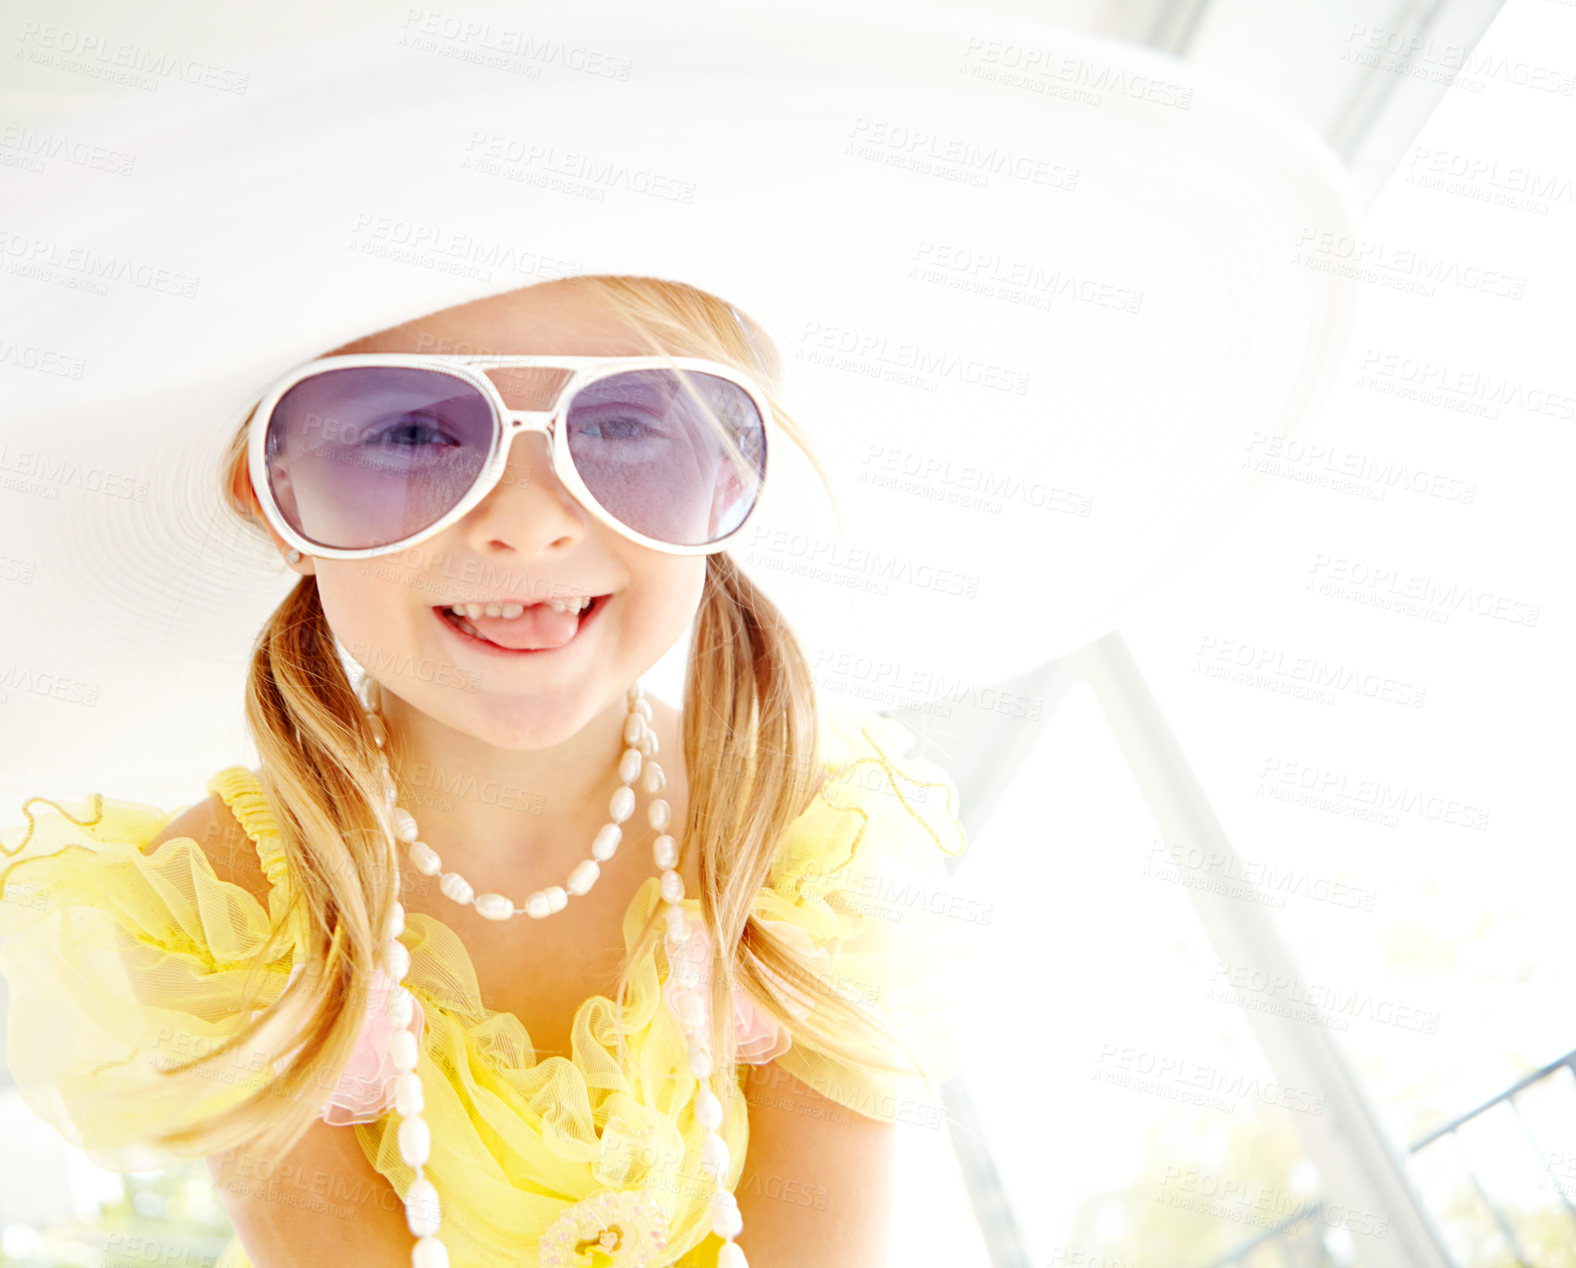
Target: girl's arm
{"x": 816, "y": 1187}
{"x": 320, "y": 1203}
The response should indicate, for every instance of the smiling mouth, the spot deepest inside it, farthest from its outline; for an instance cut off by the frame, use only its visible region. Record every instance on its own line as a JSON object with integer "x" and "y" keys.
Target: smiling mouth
{"x": 538, "y": 629}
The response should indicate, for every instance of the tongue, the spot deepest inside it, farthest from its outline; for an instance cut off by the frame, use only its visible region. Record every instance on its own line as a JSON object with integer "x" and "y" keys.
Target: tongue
{"x": 537, "y": 628}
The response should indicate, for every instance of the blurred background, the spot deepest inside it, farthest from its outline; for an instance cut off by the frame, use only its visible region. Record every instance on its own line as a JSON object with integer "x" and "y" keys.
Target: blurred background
{"x": 1283, "y": 855}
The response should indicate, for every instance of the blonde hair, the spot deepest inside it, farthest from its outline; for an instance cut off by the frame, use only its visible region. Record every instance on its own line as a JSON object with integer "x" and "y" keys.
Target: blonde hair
{"x": 749, "y": 733}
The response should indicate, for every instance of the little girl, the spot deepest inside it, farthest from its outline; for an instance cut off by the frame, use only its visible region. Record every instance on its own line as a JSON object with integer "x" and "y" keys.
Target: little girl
{"x": 496, "y": 958}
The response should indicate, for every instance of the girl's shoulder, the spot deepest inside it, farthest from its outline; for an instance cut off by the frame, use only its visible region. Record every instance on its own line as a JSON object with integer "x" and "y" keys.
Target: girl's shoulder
{"x": 864, "y": 885}
{"x": 217, "y": 826}
{"x": 141, "y": 863}
{"x": 879, "y": 795}
{"x": 122, "y": 927}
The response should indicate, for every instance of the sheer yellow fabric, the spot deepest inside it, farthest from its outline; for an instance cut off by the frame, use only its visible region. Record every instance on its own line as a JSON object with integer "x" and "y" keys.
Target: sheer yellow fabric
{"x": 120, "y": 957}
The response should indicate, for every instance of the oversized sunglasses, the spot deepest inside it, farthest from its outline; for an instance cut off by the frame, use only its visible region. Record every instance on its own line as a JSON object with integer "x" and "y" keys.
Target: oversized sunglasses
{"x": 362, "y": 455}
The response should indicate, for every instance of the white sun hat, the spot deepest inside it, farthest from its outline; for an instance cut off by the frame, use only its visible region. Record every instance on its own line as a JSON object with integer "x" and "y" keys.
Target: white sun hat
{"x": 1040, "y": 296}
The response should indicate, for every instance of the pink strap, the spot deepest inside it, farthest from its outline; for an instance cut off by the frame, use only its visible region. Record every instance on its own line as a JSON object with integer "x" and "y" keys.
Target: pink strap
{"x": 365, "y": 1091}
{"x": 758, "y": 1038}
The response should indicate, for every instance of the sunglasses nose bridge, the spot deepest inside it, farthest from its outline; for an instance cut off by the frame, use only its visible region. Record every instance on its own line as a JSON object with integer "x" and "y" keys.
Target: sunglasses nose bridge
{"x": 522, "y": 422}
{"x": 516, "y": 422}
{"x": 527, "y": 419}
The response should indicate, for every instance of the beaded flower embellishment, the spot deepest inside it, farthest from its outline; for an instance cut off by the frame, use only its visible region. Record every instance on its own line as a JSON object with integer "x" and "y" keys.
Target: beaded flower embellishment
{"x": 613, "y": 1228}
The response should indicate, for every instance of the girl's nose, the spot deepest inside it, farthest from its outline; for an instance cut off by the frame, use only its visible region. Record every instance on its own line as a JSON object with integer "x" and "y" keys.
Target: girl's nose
{"x": 529, "y": 509}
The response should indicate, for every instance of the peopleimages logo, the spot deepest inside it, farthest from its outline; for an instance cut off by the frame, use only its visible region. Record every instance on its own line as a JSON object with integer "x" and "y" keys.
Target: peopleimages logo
{"x": 86, "y": 269}
{"x": 503, "y": 48}
{"x": 1171, "y": 860}
{"x": 865, "y": 352}
{"x": 1141, "y": 1068}
{"x": 1055, "y": 72}
{"x": 32, "y": 146}
{"x": 1405, "y": 268}
{"x": 121, "y": 62}
{"x": 999, "y": 276}
{"x": 1244, "y": 981}
{"x": 1243, "y": 1200}
{"x": 957, "y": 158}
{"x": 1342, "y": 576}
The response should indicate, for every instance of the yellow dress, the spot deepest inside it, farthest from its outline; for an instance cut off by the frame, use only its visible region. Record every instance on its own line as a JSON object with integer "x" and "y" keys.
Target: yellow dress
{"x": 119, "y": 958}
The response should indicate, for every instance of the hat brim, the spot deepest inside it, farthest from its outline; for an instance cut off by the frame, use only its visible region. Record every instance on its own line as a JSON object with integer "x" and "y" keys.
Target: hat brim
{"x": 1039, "y": 295}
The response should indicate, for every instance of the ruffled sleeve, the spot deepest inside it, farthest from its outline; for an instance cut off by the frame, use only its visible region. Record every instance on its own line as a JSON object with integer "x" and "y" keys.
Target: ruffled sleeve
{"x": 861, "y": 885}
{"x": 123, "y": 959}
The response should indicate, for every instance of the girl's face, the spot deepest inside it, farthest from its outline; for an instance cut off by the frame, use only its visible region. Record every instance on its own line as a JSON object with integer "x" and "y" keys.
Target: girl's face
{"x": 528, "y": 538}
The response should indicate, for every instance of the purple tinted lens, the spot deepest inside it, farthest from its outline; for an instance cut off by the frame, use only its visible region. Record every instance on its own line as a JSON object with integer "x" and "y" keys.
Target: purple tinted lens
{"x": 676, "y": 456}
{"x": 369, "y": 455}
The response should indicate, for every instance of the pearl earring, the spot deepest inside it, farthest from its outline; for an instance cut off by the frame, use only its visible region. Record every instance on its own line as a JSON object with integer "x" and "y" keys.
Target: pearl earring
{"x": 293, "y": 555}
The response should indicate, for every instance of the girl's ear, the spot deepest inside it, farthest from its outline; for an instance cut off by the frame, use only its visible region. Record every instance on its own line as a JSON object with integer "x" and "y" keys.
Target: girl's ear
{"x": 305, "y": 565}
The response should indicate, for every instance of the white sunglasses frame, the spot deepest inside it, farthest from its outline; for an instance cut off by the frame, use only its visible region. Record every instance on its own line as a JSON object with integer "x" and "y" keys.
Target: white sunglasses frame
{"x": 507, "y": 424}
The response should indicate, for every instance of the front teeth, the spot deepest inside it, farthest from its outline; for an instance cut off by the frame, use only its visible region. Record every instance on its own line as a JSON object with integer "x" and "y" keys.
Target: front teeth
{"x": 473, "y": 610}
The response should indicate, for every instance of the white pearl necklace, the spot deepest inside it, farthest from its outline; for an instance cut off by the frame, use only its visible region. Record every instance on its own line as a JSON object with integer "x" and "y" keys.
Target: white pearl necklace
{"x": 422, "y": 1214}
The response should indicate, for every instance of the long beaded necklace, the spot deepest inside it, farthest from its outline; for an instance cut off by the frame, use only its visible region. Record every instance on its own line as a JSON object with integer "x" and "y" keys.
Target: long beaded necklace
{"x": 422, "y": 1213}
